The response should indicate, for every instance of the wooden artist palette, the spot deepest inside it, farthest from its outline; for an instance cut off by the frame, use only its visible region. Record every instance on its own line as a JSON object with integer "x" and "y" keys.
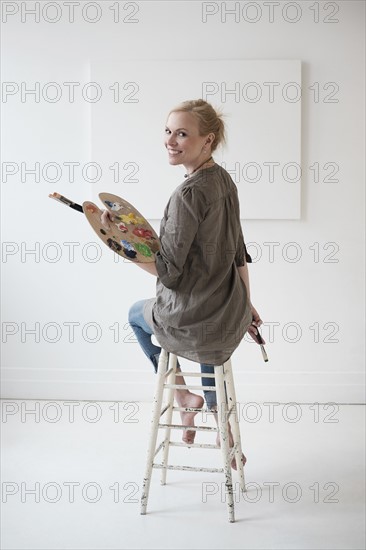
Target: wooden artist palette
{"x": 130, "y": 234}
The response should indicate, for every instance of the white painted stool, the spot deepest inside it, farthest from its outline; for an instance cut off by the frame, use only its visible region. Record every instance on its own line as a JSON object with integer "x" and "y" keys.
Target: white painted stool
{"x": 226, "y": 408}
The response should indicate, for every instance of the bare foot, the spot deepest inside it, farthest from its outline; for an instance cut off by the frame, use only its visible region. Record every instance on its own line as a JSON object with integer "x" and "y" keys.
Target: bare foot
{"x": 189, "y": 400}
{"x": 231, "y": 444}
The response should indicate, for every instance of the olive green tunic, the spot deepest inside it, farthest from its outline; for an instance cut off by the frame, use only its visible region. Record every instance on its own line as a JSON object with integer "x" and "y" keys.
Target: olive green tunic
{"x": 201, "y": 310}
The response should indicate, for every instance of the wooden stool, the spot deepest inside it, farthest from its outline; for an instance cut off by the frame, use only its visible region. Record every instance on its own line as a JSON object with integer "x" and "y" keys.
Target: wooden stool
{"x": 226, "y": 407}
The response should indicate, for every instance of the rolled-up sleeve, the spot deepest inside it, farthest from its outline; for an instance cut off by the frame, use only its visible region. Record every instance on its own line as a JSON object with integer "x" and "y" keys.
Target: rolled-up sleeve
{"x": 181, "y": 225}
{"x": 242, "y": 257}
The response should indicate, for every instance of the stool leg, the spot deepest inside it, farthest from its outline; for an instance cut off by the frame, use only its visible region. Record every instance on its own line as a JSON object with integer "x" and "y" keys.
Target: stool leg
{"x": 224, "y": 438}
{"x": 158, "y": 398}
{"x": 230, "y": 388}
{"x": 169, "y": 414}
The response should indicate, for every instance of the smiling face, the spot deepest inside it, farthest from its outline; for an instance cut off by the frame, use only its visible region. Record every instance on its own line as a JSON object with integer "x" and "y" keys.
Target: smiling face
{"x": 183, "y": 142}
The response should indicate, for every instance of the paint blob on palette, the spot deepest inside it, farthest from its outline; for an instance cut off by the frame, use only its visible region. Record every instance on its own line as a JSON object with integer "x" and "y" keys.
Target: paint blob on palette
{"x": 130, "y": 235}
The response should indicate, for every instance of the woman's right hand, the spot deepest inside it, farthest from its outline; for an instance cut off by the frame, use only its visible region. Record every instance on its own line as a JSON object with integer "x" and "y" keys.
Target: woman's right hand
{"x": 106, "y": 218}
{"x": 256, "y": 322}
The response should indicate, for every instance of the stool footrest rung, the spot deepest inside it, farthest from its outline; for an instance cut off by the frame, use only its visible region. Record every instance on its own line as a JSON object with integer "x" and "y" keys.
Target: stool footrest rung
{"x": 193, "y": 409}
{"x": 189, "y": 387}
{"x": 196, "y": 445}
{"x": 193, "y": 428}
{"x": 200, "y": 374}
{"x": 189, "y": 468}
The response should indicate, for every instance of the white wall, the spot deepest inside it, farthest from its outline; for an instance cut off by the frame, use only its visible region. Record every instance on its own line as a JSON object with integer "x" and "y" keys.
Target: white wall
{"x": 312, "y": 292}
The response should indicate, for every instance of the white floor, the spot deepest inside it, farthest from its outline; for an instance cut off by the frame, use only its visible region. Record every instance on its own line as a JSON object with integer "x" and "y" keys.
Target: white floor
{"x": 75, "y": 483}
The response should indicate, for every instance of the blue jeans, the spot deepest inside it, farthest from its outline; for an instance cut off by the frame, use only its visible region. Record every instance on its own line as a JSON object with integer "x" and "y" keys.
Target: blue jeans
{"x": 143, "y": 333}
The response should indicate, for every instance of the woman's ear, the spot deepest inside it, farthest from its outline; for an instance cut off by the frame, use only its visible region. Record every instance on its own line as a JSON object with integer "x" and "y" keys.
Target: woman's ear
{"x": 210, "y": 139}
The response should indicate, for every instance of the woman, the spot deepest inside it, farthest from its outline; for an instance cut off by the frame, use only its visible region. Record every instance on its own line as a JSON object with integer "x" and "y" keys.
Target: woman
{"x": 202, "y": 307}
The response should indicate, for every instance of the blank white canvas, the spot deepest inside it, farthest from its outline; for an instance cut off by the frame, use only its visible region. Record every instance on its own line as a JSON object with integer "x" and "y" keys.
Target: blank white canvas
{"x": 261, "y": 101}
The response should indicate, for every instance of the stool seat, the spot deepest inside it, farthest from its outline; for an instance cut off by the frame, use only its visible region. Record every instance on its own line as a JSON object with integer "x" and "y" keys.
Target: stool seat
{"x": 162, "y": 420}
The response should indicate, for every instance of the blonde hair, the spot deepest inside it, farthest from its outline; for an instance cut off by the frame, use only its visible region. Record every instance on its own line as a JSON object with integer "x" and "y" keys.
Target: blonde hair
{"x": 209, "y": 120}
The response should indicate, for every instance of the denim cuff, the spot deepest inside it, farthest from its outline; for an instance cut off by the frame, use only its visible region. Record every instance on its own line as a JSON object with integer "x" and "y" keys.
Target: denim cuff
{"x": 210, "y": 397}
